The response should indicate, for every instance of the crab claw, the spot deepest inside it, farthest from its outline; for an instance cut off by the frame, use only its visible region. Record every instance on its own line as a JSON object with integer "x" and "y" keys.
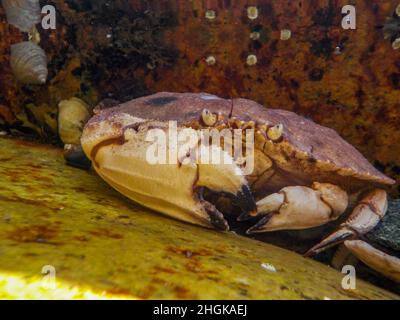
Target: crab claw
{"x": 335, "y": 238}
{"x": 226, "y": 180}
{"x": 267, "y": 205}
{"x": 299, "y": 207}
{"x": 120, "y": 148}
{"x": 365, "y": 216}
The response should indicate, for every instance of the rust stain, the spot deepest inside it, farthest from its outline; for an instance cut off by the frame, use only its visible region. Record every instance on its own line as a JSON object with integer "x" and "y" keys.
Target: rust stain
{"x": 189, "y": 253}
{"x": 182, "y": 292}
{"x": 81, "y": 238}
{"x": 103, "y": 232}
{"x": 38, "y": 203}
{"x": 158, "y": 269}
{"x": 18, "y": 175}
{"x": 35, "y": 234}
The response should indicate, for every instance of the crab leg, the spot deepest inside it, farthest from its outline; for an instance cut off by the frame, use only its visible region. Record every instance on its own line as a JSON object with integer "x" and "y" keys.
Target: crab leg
{"x": 295, "y": 208}
{"x": 381, "y": 262}
{"x": 365, "y": 216}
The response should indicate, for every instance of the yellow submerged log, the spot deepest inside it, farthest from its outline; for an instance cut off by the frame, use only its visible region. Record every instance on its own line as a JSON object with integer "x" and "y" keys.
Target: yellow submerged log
{"x": 65, "y": 234}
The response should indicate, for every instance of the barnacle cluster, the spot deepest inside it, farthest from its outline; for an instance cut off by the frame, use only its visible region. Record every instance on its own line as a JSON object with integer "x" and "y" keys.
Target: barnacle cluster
{"x": 28, "y": 60}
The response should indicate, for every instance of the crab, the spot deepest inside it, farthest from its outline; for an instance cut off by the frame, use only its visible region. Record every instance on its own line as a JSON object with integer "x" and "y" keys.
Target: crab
{"x": 305, "y": 175}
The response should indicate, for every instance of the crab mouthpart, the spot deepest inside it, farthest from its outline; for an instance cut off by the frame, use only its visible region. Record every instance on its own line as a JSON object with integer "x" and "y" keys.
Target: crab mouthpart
{"x": 247, "y": 215}
{"x": 222, "y": 216}
{"x": 245, "y": 201}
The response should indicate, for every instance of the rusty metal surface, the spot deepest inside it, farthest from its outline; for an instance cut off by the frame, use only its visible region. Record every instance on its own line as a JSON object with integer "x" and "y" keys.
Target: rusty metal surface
{"x": 345, "y": 79}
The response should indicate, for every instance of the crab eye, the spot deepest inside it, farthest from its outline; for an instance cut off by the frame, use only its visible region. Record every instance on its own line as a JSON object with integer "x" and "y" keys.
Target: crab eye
{"x": 275, "y": 133}
{"x": 208, "y": 118}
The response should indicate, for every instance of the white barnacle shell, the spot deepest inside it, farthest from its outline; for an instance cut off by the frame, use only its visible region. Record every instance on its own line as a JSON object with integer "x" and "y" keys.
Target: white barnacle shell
{"x": 23, "y": 14}
{"x": 72, "y": 117}
{"x": 29, "y": 63}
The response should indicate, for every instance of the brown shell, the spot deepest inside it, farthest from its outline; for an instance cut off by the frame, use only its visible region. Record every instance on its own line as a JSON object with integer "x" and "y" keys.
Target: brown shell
{"x": 308, "y": 152}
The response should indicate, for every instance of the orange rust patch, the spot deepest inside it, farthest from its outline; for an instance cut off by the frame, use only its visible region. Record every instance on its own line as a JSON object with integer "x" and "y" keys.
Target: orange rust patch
{"x": 38, "y": 203}
{"x": 149, "y": 290}
{"x": 189, "y": 253}
{"x": 102, "y": 232}
{"x": 193, "y": 263}
{"x": 183, "y": 292}
{"x": 81, "y": 238}
{"x": 158, "y": 269}
{"x": 35, "y": 233}
{"x": 18, "y": 175}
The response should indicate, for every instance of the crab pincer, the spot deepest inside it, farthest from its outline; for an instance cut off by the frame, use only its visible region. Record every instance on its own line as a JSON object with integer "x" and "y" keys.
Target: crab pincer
{"x": 364, "y": 217}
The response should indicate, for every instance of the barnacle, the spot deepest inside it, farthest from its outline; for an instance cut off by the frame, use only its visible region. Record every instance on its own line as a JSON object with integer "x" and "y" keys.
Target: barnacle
{"x": 275, "y": 133}
{"x": 29, "y": 63}
{"x": 251, "y": 60}
{"x": 23, "y": 14}
{"x": 285, "y": 34}
{"x": 252, "y": 12}
{"x": 210, "y": 14}
{"x": 211, "y": 60}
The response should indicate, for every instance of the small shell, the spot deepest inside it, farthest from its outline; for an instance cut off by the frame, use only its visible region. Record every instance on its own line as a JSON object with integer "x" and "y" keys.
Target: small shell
{"x": 209, "y": 118}
{"x": 269, "y": 267}
{"x": 72, "y": 117}
{"x": 23, "y": 14}
{"x": 29, "y": 63}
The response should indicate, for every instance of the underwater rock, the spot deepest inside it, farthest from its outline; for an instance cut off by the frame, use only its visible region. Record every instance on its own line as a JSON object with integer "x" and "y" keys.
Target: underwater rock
{"x": 23, "y": 14}
{"x": 387, "y": 234}
{"x": 75, "y": 157}
{"x": 72, "y": 116}
{"x": 29, "y": 63}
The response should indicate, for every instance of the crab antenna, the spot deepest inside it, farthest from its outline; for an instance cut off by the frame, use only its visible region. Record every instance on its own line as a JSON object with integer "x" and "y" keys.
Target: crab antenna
{"x": 231, "y": 113}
